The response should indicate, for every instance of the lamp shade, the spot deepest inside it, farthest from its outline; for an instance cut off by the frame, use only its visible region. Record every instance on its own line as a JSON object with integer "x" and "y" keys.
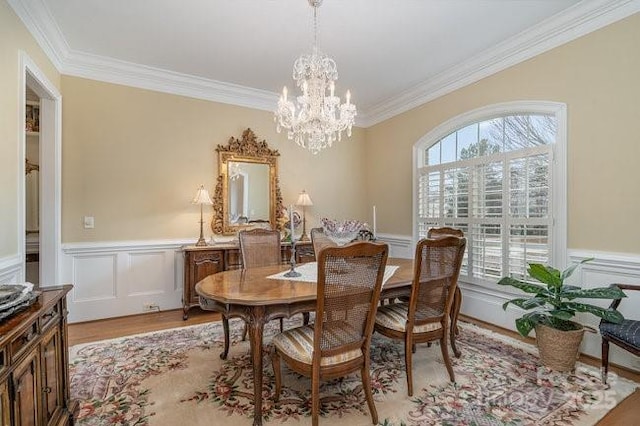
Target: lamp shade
{"x": 304, "y": 199}
{"x": 202, "y": 196}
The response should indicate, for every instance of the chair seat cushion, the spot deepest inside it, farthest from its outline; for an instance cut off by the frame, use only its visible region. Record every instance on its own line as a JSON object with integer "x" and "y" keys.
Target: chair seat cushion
{"x": 628, "y": 331}
{"x": 298, "y": 344}
{"x": 394, "y": 317}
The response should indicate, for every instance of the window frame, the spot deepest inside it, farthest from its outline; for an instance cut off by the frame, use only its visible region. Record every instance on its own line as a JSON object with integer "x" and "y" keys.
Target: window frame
{"x": 558, "y": 166}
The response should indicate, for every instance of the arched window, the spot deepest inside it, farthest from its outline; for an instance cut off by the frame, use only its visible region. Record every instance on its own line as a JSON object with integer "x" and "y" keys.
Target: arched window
{"x": 499, "y": 174}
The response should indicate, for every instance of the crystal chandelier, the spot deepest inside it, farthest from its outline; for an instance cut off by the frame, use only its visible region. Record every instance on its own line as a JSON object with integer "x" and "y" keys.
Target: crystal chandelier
{"x": 316, "y": 118}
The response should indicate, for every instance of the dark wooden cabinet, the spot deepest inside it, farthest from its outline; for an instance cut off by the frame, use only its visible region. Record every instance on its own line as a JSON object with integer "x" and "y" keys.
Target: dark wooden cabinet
{"x": 5, "y": 410}
{"x": 34, "y": 370}
{"x": 200, "y": 262}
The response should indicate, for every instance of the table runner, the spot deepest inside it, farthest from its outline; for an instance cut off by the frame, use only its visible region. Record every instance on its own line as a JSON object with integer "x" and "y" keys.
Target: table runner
{"x": 309, "y": 273}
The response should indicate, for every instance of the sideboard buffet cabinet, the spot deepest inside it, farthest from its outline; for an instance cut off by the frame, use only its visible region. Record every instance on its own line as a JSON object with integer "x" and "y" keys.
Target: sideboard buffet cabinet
{"x": 34, "y": 363}
{"x": 200, "y": 262}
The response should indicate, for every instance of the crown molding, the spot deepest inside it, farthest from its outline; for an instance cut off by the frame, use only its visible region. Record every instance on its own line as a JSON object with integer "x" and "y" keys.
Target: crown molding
{"x": 37, "y": 17}
{"x": 581, "y": 19}
{"x": 574, "y": 22}
{"x": 111, "y": 70}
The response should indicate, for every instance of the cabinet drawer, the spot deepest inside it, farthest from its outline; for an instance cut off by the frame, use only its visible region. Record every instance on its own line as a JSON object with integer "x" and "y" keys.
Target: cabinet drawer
{"x": 50, "y": 317}
{"x": 21, "y": 342}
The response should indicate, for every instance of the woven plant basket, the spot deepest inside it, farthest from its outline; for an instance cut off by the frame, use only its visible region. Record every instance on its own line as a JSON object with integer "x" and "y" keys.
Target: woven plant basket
{"x": 558, "y": 349}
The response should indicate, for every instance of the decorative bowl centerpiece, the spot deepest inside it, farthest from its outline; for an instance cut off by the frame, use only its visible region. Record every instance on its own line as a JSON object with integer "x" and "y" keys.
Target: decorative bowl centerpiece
{"x": 341, "y": 232}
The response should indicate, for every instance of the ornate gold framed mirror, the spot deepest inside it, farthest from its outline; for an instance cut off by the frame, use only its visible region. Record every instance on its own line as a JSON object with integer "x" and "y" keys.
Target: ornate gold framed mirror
{"x": 247, "y": 192}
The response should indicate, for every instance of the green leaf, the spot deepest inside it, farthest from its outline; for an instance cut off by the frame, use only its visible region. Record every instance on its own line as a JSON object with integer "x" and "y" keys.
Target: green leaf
{"x": 524, "y": 326}
{"x": 526, "y": 287}
{"x": 563, "y": 314}
{"x": 593, "y": 293}
{"x": 567, "y": 272}
{"x": 545, "y": 274}
{"x": 611, "y": 315}
{"x": 571, "y": 287}
{"x": 607, "y": 314}
{"x": 527, "y": 304}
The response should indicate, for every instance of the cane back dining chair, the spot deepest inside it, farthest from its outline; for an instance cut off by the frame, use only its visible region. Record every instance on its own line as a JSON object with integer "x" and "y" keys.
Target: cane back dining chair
{"x": 625, "y": 335}
{"x": 425, "y": 317}
{"x": 320, "y": 240}
{"x": 457, "y": 298}
{"x": 348, "y": 286}
{"x": 258, "y": 247}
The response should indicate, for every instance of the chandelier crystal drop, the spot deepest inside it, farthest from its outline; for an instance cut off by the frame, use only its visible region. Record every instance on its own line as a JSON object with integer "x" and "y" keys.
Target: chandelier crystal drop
{"x": 316, "y": 118}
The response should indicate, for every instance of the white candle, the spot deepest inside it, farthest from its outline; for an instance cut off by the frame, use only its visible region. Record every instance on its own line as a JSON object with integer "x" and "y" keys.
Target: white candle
{"x": 374, "y": 222}
{"x": 284, "y": 93}
{"x": 291, "y": 220}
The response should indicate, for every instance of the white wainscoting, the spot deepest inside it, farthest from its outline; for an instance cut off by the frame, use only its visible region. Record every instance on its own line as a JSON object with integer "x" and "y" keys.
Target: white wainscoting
{"x": 116, "y": 279}
{"x": 113, "y": 279}
{"x": 399, "y": 245}
{"x": 11, "y": 270}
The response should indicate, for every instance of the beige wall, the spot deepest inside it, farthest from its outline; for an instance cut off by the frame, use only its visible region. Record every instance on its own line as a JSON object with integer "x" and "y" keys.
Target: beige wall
{"x": 598, "y": 77}
{"x": 133, "y": 159}
{"x": 14, "y": 38}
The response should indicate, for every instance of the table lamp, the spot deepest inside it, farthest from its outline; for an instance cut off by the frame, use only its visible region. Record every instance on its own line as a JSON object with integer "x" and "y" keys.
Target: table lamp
{"x": 304, "y": 200}
{"x": 202, "y": 197}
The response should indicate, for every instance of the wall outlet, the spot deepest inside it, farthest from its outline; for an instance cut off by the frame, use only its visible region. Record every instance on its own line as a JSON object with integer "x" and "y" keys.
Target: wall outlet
{"x": 150, "y": 307}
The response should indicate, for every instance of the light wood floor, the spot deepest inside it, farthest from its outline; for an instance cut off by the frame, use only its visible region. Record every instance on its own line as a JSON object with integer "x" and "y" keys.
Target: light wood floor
{"x": 626, "y": 413}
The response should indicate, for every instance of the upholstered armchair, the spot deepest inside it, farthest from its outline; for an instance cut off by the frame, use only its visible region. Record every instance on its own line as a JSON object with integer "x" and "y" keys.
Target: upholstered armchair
{"x": 625, "y": 335}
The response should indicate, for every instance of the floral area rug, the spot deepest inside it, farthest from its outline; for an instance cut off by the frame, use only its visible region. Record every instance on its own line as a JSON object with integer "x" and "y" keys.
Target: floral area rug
{"x": 175, "y": 377}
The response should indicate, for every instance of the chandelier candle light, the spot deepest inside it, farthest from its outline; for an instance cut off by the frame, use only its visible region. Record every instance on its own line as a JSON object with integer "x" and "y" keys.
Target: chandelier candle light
{"x": 304, "y": 200}
{"x": 316, "y": 119}
{"x": 202, "y": 197}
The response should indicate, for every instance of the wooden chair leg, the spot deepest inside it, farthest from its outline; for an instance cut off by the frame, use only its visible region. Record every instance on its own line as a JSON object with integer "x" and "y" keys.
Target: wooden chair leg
{"x": 366, "y": 384}
{"x": 452, "y": 337}
{"x": 604, "y": 370}
{"x": 445, "y": 356}
{"x": 315, "y": 396}
{"x": 281, "y": 325}
{"x": 408, "y": 351}
{"x": 225, "y": 327}
{"x": 305, "y": 318}
{"x": 455, "y": 313}
{"x": 244, "y": 332}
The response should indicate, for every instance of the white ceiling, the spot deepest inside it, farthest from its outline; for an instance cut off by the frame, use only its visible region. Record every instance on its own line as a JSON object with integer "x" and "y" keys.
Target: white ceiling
{"x": 391, "y": 54}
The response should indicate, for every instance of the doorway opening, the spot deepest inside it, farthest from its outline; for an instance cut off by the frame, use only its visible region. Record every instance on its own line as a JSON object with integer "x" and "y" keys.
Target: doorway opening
{"x": 40, "y": 154}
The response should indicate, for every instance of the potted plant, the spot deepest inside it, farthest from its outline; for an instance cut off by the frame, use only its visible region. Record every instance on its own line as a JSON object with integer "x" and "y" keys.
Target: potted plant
{"x": 552, "y": 308}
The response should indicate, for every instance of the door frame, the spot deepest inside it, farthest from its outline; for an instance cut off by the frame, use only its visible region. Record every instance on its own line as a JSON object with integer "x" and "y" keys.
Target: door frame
{"x": 50, "y": 146}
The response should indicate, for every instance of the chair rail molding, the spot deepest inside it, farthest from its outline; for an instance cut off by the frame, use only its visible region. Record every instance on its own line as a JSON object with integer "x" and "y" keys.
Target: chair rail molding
{"x": 114, "y": 279}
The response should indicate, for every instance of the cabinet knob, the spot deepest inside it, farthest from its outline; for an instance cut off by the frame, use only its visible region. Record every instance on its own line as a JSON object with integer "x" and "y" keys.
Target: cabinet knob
{"x": 47, "y": 389}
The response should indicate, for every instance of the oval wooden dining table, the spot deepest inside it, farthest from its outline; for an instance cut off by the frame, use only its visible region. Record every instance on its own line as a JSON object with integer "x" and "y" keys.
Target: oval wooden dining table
{"x": 257, "y": 299}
